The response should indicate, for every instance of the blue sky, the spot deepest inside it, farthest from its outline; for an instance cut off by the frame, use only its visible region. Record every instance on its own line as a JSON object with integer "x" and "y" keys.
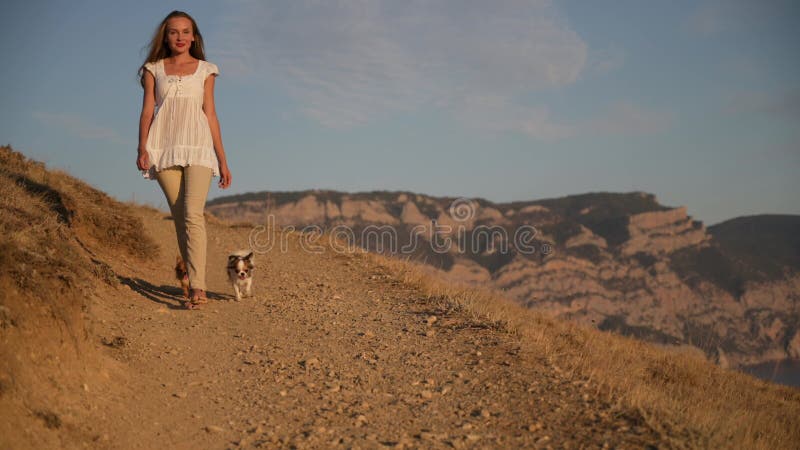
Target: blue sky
{"x": 696, "y": 102}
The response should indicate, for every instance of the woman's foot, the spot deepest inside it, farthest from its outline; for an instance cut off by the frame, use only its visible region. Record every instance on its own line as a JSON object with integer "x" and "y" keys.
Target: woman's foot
{"x": 197, "y": 298}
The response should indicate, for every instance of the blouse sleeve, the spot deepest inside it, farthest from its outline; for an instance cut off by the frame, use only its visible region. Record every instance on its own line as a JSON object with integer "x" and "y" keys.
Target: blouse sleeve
{"x": 150, "y": 67}
{"x": 211, "y": 69}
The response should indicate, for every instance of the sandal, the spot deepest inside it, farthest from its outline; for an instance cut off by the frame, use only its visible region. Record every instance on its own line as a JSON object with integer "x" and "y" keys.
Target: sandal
{"x": 196, "y": 300}
{"x": 191, "y": 304}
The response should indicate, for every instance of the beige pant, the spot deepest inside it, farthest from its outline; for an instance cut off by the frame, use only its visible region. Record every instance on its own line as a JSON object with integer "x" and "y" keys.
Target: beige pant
{"x": 186, "y": 189}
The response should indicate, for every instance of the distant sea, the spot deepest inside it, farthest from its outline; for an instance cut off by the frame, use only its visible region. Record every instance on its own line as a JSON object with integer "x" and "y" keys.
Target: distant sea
{"x": 783, "y": 372}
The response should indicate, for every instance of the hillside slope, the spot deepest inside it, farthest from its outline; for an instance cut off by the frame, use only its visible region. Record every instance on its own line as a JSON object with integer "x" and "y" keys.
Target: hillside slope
{"x": 337, "y": 349}
{"x": 620, "y": 261}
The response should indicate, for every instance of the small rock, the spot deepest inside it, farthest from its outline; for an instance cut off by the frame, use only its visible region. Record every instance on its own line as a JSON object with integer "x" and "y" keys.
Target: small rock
{"x": 430, "y": 332}
{"x": 535, "y": 427}
{"x": 426, "y": 394}
{"x": 430, "y": 320}
{"x": 309, "y": 363}
{"x": 180, "y": 394}
{"x": 213, "y": 429}
{"x": 427, "y": 436}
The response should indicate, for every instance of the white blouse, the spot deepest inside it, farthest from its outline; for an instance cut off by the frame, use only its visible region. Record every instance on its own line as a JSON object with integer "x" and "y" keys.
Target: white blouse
{"x": 179, "y": 134}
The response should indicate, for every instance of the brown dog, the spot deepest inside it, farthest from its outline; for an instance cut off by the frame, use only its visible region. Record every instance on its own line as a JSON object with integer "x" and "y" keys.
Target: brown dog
{"x": 182, "y": 275}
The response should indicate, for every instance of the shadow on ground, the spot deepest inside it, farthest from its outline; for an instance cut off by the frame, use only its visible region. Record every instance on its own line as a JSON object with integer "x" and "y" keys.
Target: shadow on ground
{"x": 167, "y": 295}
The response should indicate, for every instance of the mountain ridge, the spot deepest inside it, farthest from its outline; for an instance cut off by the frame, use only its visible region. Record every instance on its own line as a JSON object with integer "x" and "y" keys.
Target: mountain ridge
{"x": 626, "y": 262}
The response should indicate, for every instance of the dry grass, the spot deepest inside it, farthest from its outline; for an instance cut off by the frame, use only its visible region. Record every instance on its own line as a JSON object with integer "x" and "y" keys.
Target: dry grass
{"x": 88, "y": 213}
{"x": 49, "y": 221}
{"x": 35, "y": 254}
{"x": 692, "y": 402}
{"x": 43, "y": 214}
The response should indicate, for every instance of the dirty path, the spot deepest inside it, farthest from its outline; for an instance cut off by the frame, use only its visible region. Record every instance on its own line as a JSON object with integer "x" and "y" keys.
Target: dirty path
{"x": 332, "y": 351}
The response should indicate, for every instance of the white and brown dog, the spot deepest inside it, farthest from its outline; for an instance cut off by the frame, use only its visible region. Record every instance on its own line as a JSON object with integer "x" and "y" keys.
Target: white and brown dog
{"x": 240, "y": 273}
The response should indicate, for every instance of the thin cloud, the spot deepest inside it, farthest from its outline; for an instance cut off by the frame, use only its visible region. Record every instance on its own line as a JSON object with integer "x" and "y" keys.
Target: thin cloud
{"x": 717, "y": 16}
{"x": 625, "y": 118}
{"x": 620, "y": 118}
{"x": 79, "y": 126}
{"x": 497, "y": 113}
{"x": 604, "y": 61}
{"x": 782, "y": 104}
{"x": 347, "y": 62}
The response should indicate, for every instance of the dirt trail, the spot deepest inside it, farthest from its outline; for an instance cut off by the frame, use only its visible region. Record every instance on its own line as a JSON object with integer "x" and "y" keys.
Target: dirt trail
{"x": 332, "y": 351}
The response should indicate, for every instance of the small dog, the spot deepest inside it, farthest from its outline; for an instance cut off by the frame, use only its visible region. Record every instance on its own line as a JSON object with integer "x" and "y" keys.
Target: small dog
{"x": 182, "y": 275}
{"x": 240, "y": 273}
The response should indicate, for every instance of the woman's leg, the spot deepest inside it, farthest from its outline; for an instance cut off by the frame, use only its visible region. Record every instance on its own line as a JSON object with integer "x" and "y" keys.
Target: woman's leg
{"x": 197, "y": 182}
{"x": 171, "y": 182}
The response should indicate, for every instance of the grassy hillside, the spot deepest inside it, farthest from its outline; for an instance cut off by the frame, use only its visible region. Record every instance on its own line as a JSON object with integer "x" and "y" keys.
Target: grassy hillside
{"x": 337, "y": 349}
{"x": 49, "y": 221}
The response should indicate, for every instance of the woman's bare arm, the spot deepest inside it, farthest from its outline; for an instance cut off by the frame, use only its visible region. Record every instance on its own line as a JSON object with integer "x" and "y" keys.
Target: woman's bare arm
{"x": 146, "y": 119}
{"x": 216, "y": 135}
{"x": 213, "y": 122}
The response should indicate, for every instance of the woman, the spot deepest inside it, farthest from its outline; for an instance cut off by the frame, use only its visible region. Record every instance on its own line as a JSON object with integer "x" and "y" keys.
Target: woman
{"x": 179, "y": 136}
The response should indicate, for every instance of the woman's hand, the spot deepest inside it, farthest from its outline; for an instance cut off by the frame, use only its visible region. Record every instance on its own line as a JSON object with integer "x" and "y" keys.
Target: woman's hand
{"x": 143, "y": 160}
{"x": 224, "y": 176}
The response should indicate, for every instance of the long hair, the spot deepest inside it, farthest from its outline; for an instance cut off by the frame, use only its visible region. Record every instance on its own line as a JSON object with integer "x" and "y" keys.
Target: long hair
{"x": 159, "y": 49}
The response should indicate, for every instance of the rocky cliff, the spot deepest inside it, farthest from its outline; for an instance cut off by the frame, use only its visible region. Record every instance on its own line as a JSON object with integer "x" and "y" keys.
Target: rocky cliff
{"x": 615, "y": 261}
